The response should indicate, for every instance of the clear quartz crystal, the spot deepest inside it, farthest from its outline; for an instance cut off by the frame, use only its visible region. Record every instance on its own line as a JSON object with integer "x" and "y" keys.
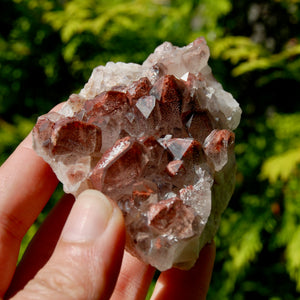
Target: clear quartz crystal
{"x": 146, "y": 105}
{"x": 157, "y": 138}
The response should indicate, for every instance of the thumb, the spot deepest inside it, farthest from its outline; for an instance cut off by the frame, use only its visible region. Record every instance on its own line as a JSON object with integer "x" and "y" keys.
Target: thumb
{"x": 87, "y": 258}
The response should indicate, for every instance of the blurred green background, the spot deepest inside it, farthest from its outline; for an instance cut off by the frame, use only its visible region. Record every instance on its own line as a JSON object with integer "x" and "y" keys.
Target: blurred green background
{"x": 48, "y": 49}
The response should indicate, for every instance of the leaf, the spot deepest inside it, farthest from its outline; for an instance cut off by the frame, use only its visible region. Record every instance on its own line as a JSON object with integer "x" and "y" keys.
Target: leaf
{"x": 279, "y": 60}
{"x": 246, "y": 249}
{"x": 280, "y": 166}
{"x": 237, "y": 49}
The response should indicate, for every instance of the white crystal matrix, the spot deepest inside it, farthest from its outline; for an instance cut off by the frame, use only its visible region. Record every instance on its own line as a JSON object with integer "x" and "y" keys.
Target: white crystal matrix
{"x": 176, "y": 61}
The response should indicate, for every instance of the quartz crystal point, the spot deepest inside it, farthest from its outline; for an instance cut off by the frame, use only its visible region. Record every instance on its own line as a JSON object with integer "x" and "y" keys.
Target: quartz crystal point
{"x": 157, "y": 138}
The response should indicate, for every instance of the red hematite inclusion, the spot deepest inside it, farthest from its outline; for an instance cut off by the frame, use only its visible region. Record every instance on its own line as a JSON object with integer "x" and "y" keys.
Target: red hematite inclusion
{"x": 157, "y": 138}
{"x": 125, "y": 161}
{"x": 171, "y": 216}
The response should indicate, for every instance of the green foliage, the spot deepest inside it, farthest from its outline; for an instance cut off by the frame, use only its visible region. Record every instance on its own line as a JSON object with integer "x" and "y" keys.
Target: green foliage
{"x": 281, "y": 166}
{"x": 116, "y": 30}
{"x": 128, "y": 30}
{"x": 12, "y": 134}
{"x": 205, "y": 18}
{"x": 48, "y": 49}
{"x": 259, "y": 234}
{"x": 250, "y": 56}
{"x": 261, "y": 227}
{"x": 286, "y": 149}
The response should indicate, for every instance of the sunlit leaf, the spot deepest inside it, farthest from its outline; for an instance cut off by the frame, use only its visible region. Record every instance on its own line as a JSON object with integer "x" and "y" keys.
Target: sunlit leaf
{"x": 281, "y": 166}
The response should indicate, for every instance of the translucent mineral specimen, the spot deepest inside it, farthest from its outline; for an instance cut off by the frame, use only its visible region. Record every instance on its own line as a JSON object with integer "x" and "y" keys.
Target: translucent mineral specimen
{"x": 157, "y": 138}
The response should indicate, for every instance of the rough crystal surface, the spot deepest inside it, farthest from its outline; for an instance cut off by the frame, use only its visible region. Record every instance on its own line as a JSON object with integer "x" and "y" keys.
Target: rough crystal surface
{"x": 157, "y": 138}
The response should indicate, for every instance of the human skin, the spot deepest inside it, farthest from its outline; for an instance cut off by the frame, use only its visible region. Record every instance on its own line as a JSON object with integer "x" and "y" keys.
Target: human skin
{"x": 78, "y": 253}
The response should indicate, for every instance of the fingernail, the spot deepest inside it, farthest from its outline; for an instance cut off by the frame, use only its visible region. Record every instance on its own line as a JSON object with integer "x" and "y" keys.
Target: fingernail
{"x": 88, "y": 218}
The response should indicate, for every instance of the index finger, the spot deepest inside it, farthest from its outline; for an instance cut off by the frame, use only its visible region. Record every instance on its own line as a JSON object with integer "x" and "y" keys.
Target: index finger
{"x": 26, "y": 184}
{"x": 192, "y": 284}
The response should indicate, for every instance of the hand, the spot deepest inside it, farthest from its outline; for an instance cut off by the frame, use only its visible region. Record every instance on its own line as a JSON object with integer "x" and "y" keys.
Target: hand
{"x": 78, "y": 253}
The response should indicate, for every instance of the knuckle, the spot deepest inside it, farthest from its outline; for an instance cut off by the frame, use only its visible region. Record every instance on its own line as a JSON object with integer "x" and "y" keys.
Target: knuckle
{"x": 56, "y": 283}
{"x": 72, "y": 278}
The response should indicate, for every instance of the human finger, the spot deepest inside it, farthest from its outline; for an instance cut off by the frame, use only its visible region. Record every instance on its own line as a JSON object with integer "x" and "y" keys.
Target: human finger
{"x": 134, "y": 279}
{"x": 26, "y": 184}
{"x": 42, "y": 245}
{"x": 86, "y": 262}
{"x": 192, "y": 284}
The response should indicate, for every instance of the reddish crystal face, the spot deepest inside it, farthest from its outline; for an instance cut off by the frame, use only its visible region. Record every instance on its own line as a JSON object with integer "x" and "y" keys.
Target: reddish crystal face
{"x": 157, "y": 146}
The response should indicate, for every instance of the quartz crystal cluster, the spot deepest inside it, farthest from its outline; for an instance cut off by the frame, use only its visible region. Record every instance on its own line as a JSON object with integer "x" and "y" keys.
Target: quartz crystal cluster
{"x": 158, "y": 139}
